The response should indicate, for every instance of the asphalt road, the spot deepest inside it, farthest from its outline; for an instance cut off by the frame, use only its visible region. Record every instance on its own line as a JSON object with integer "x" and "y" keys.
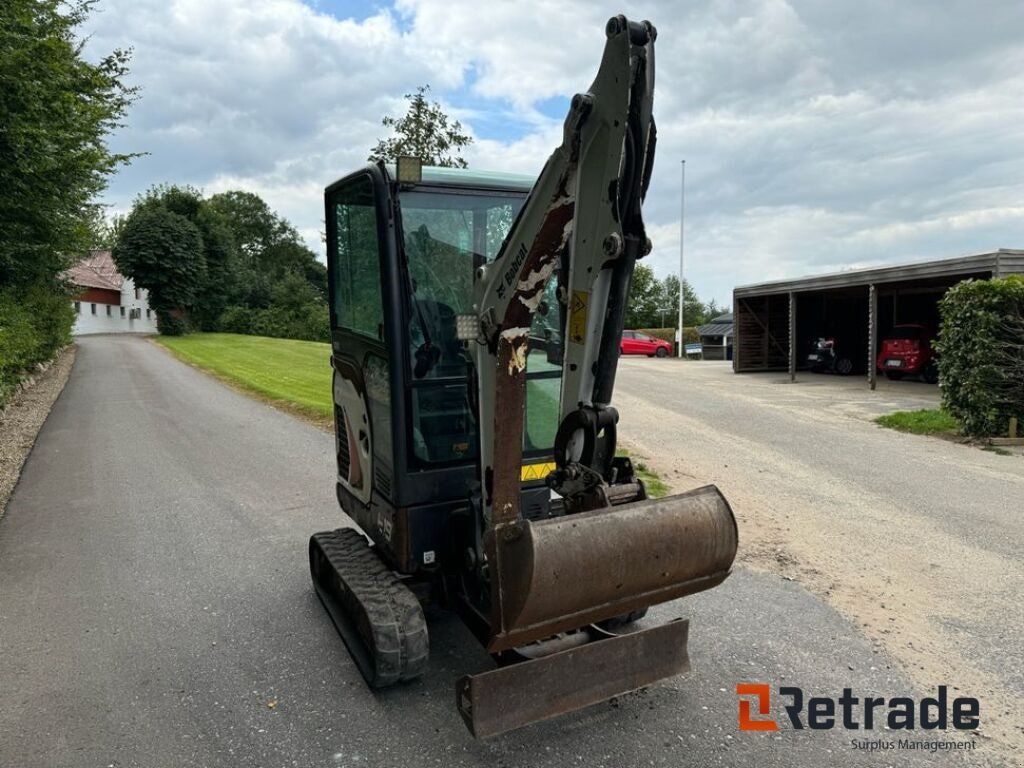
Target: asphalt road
{"x": 155, "y": 610}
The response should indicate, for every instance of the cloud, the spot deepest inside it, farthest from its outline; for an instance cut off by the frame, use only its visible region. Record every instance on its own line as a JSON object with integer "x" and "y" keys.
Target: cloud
{"x": 816, "y": 135}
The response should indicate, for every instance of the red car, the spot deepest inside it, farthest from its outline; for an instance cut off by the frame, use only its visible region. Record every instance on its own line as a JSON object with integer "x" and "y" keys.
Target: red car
{"x": 636, "y": 343}
{"x": 907, "y": 351}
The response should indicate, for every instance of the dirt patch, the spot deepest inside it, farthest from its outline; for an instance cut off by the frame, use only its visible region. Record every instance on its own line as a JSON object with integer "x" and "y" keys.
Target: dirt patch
{"x": 23, "y": 417}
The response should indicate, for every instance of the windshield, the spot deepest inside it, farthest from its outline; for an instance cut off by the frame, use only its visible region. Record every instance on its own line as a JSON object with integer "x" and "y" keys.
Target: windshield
{"x": 447, "y": 235}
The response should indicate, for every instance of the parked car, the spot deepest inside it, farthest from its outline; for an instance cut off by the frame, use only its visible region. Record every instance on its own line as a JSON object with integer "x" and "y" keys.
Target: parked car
{"x": 907, "y": 351}
{"x": 636, "y": 343}
{"x": 827, "y": 355}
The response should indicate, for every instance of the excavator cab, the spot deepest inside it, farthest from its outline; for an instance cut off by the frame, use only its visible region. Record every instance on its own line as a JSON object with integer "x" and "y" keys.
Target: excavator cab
{"x": 402, "y": 259}
{"x": 476, "y": 321}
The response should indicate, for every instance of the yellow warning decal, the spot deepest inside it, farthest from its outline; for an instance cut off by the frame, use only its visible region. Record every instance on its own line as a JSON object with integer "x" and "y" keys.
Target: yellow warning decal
{"x": 536, "y": 471}
{"x": 578, "y": 317}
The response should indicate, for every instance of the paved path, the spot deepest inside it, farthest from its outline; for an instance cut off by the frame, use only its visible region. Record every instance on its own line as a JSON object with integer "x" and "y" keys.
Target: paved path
{"x": 155, "y": 610}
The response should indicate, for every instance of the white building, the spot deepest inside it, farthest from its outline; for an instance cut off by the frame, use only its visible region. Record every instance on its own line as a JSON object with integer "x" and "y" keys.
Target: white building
{"x": 109, "y": 302}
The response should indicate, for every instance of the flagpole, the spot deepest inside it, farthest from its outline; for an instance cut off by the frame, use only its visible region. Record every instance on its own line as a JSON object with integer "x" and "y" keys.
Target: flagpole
{"x": 682, "y": 215}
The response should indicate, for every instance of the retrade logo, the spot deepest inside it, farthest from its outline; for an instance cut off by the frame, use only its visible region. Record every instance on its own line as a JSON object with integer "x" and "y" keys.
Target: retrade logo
{"x": 855, "y": 712}
{"x": 763, "y": 696}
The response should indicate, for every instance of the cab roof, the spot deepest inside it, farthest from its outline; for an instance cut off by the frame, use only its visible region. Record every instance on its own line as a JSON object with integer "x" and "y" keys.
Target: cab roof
{"x": 472, "y": 178}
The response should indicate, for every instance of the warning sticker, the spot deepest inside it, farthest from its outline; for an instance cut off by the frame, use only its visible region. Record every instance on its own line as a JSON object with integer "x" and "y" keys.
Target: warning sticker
{"x": 578, "y": 317}
{"x": 536, "y": 471}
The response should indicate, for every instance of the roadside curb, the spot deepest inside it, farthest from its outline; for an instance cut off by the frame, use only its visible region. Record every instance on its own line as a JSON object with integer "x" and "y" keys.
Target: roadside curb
{"x": 25, "y": 414}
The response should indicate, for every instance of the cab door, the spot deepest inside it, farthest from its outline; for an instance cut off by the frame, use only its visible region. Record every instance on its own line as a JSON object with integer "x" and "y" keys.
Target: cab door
{"x": 359, "y": 271}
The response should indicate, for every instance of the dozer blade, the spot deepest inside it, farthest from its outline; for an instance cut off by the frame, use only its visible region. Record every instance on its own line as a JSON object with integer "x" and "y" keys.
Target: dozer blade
{"x": 511, "y": 697}
{"x": 567, "y": 572}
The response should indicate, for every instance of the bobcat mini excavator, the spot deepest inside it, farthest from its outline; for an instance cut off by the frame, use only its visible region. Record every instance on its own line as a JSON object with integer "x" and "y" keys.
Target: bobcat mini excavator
{"x": 476, "y": 320}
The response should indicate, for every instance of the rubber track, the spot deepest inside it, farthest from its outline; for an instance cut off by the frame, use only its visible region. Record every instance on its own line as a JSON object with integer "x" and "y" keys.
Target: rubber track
{"x": 378, "y": 607}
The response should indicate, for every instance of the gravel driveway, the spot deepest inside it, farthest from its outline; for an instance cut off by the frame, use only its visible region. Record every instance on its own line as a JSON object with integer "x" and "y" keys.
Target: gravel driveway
{"x": 915, "y": 539}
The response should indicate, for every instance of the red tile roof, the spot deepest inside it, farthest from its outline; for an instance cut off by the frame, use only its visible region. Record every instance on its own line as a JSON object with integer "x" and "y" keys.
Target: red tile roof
{"x": 97, "y": 270}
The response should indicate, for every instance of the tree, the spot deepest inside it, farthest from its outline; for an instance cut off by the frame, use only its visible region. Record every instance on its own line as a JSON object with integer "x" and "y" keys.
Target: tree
{"x": 56, "y": 113}
{"x": 254, "y": 225}
{"x": 219, "y": 287}
{"x": 269, "y": 246}
{"x": 713, "y": 310}
{"x": 654, "y": 303}
{"x": 644, "y": 298}
{"x": 105, "y": 231}
{"x": 425, "y": 132}
{"x": 693, "y": 309}
{"x": 163, "y": 252}
{"x": 230, "y": 261}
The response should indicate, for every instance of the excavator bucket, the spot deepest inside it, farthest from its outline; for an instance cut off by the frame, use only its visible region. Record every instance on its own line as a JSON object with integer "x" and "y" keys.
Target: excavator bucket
{"x": 565, "y": 573}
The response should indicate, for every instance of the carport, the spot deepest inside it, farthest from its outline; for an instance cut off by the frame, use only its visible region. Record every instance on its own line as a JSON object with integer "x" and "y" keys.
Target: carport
{"x": 776, "y": 322}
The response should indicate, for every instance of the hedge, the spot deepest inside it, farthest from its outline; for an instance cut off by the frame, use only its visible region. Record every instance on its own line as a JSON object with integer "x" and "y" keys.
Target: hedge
{"x": 35, "y": 322}
{"x": 669, "y": 334}
{"x": 981, "y": 354}
{"x": 310, "y": 323}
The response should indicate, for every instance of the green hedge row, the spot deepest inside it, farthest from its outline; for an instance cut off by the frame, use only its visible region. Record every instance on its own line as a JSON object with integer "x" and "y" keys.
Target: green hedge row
{"x": 34, "y": 323}
{"x": 669, "y": 334}
{"x": 981, "y": 354}
{"x": 310, "y": 324}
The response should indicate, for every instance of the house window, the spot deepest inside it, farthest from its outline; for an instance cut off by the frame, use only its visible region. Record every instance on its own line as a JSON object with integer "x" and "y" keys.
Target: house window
{"x": 108, "y": 310}
{"x": 78, "y": 307}
{"x": 94, "y": 309}
{"x": 147, "y": 313}
{"x": 122, "y": 311}
{"x": 136, "y": 293}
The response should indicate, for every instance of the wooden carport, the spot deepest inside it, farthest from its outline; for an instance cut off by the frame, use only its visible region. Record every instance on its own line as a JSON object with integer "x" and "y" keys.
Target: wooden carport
{"x": 766, "y": 314}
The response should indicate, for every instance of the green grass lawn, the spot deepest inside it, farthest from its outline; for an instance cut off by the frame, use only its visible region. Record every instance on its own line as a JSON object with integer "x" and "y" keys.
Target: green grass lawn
{"x": 293, "y": 373}
{"x": 927, "y": 421}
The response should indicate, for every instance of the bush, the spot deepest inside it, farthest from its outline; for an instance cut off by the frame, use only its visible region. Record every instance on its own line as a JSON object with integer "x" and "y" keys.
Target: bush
{"x": 308, "y": 322}
{"x": 981, "y": 354}
{"x": 236, "y": 320}
{"x": 35, "y": 322}
{"x": 169, "y": 324}
{"x": 669, "y": 334}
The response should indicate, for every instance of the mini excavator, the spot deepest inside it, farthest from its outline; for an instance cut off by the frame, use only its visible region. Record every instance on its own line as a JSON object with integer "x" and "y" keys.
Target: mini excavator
{"x": 476, "y": 319}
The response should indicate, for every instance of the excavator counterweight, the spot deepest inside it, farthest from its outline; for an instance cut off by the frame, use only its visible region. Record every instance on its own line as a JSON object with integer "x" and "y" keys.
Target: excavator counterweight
{"x": 476, "y": 322}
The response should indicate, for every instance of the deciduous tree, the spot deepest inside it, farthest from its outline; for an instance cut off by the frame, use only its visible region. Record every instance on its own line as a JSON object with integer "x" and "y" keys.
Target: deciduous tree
{"x": 57, "y": 111}
{"x": 163, "y": 252}
{"x": 426, "y": 132}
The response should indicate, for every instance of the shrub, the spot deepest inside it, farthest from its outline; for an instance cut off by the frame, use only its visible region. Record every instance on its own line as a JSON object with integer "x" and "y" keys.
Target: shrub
{"x": 669, "y": 334}
{"x": 52, "y": 317}
{"x": 35, "y": 322}
{"x": 309, "y": 321}
{"x": 981, "y": 354}
{"x": 170, "y": 324}
{"x": 236, "y": 320}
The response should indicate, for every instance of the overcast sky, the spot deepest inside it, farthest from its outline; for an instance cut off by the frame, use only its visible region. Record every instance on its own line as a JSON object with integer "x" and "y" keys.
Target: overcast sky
{"x": 817, "y": 135}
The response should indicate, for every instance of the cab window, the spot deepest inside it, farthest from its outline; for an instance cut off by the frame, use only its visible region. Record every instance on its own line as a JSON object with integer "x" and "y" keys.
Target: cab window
{"x": 355, "y": 260}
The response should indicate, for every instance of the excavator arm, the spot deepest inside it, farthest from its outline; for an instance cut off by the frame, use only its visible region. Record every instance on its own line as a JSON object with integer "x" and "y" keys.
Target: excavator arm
{"x": 582, "y": 226}
{"x": 613, "y": 551}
